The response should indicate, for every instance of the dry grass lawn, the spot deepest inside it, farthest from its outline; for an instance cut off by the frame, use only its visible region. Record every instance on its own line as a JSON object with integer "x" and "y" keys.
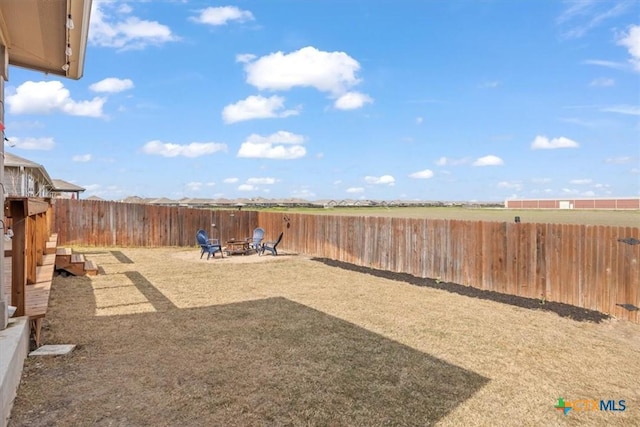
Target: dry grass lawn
{"x": 166, "y": 339}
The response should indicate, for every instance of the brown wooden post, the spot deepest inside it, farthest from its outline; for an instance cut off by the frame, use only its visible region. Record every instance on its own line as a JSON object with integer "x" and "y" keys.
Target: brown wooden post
{"x": 41, "y": 237}
{"x": 18, "y": 256}
{"x": 31, "y": 249}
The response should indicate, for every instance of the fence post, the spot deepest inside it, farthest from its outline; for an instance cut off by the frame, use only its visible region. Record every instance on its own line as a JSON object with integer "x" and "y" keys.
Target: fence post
{"x": 18, "y": 256}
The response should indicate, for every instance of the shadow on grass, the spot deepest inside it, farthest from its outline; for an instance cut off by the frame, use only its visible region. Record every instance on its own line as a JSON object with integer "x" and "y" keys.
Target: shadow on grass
{"x": 153, "y": 295}
{"x": 262, "y": 362}
{"x": 564, "y": 310}
{"x": 121, "y": 257}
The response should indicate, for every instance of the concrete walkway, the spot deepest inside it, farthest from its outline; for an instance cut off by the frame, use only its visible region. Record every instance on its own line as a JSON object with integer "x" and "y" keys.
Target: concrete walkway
{"x": 14, "y": 346}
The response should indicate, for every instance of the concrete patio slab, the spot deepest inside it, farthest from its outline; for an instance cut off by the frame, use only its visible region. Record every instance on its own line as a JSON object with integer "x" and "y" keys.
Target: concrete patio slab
{"x": 53, "y": 350}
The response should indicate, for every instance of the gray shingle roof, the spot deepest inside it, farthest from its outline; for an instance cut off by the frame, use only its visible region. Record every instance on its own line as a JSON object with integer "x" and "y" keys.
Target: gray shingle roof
{"x": 60, "y": 185}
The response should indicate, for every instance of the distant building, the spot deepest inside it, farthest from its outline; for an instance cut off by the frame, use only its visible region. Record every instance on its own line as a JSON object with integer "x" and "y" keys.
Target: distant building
{"x": 24, "y": 178}
{"x": 65, "y": 190}
{"x": 604, "y": 203}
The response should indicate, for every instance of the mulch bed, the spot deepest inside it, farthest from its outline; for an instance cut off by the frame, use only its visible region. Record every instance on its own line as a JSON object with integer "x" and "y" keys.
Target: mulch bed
{"x": 561, "y": 309}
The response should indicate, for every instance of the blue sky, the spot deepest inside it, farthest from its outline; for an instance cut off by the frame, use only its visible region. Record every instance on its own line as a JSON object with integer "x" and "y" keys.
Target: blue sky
{"x": 334, "y": 99}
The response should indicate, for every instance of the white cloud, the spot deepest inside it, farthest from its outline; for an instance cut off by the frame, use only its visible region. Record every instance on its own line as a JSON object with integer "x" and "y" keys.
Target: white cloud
{"x": 197, "y": 186}
{"x": 354, "y": 190}
{"x": 514, "y": 185}
{"x": 380, "y": 180}
{"x": 490, "y": 85}
{"x": 445, "y": 161}
{"x": 419, "y": 120}
{"x": 124, "y": 31}
{"x": 489, "y": 160}
{"x": 194, "y": 186}
{"x": 222, "y": 15}
{"x": 582, "y": 16}
{"x": 112, "y": 85}
{"x": 569, "y": 191}
{"x": 631, "y": 41}
{"x": 423, "y": 174}
{"x": 543, "y": 143}
{"x": 230, "y": 180}
{"x": 49, "y": 97}
{"x": 261, "y": 181}
{"x": 352, "y": 101}
{"x": 632, "y": 110}
{"x": 581, "y": 181}
{"x": 195, "y": 149}
{"x": 541, "y": 180}
{"x": 246, "y": 187}
{"x": 33, "y": 143}
{"x": 82, "y": 158}
{"x": 608, "y": 64}
{"x": 256, "y": 107}
{"x": 333, "y": 72}
{"x": 602, "y": 82}
{"x": 304, "y": 193}
{"x": 619, "y": 160}
{"x": 92, "y": 187}
{"x": 280, "y": 145}
{"x": 243, "y": 58}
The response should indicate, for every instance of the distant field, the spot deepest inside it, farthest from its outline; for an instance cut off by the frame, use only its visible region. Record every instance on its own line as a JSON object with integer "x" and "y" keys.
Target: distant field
{"x": 591, "y": 217}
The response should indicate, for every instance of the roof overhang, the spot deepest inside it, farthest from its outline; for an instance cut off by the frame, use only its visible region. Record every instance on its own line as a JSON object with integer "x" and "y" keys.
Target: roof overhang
{"x": 36, "y": 35}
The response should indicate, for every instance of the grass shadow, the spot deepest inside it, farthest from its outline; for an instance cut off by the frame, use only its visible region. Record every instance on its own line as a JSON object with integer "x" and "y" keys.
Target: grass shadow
{"x": 263, "y": 362}
{"x": 121, "y": 257}
{"x": 561, "y": 309}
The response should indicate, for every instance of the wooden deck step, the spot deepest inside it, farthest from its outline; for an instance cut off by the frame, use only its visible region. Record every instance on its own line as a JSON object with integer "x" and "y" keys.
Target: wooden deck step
{"x": 90, "y": 268}
{"x": 63, "y": 257}
{"x": 77, "y": 258}
{"x": 51, "y": 245}
{"x": 64, "y": 251}
{"x": 74, "y": 263}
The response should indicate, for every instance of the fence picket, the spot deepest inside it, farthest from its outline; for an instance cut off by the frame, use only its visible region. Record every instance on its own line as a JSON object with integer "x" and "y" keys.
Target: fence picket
{"x": 576, "y": 264}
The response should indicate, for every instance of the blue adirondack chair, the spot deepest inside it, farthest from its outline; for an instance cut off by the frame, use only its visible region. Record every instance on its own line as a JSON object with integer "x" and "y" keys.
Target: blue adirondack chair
{"x": 271, "y": 246}
{"x": 210, "y": 246}
{"x": 255, "y": 242}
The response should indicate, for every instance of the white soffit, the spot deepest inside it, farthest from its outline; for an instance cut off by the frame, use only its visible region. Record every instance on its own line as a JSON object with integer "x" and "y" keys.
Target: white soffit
{"x": 36, "y": 34}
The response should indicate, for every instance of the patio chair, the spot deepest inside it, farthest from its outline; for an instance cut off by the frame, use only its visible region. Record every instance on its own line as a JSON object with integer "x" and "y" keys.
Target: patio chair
{"x": 210, "y": 246}
{"x": 255, "y": 242}
{"x": 271, "y": 246}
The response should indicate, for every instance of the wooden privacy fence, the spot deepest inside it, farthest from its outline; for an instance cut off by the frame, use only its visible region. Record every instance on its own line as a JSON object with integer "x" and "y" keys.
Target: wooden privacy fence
{"x": 586, "y": 266}
{"x": 582, "y": 265}
{"x": 102, "y": 223}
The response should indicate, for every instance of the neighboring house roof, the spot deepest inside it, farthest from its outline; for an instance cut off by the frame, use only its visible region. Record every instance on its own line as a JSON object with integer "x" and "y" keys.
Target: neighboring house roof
{"x": 163, "y": 201}
{"x": 37, "y": 34}
{"x": 17, "y": 161}
{"x": 11, "y": 160}
{"x": 64, "y": 186}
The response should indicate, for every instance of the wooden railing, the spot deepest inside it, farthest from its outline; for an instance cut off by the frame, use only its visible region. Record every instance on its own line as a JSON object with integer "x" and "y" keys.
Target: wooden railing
{"x": 30, "y": 219}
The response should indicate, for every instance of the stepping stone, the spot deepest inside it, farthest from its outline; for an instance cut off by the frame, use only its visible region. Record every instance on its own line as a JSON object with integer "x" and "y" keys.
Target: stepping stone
{"x": 53, "y": 350}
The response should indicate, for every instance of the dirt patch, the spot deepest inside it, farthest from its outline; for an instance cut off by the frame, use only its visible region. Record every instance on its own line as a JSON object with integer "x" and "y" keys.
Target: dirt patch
{"x": 248, "y": 258}
{"x": 561, "y": 309}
